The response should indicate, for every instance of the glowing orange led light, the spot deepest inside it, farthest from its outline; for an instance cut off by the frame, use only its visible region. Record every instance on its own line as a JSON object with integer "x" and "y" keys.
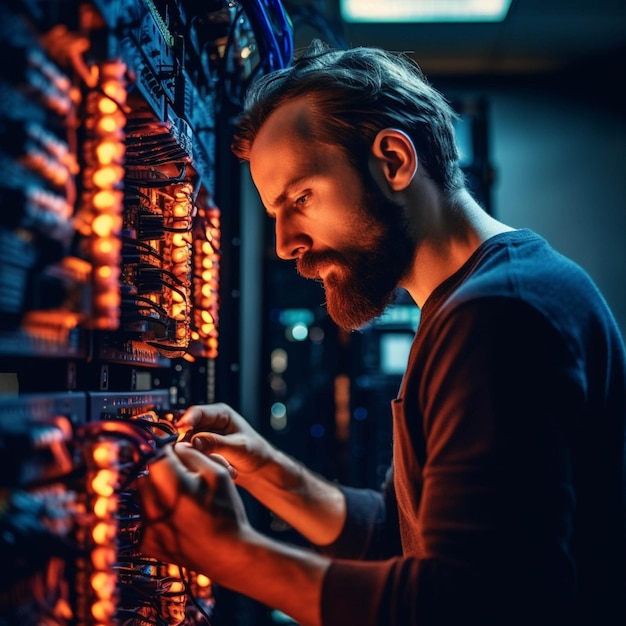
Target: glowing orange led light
{"x": 104, "y": 271}
{"x": 107, "y": 124}
{"x": 109, "y": 299}
{"x": 108, "y": 175}
{"x": 103, "y": 583}
{"x": 177, "y": 587}
{"x": 207, "y": 328}
{"x": 202, "y": 580}
{"x": 103, "y": 610}
{"x": 104, "y": 454}
{"x": 103, "y": 557}
{"x": 106, "y": 106}
{"x": 180, "y": 209}
{"x": 107, "y": 246}
{"x": 181, "y": 239}
{"x": 114, "y": 90}
{"x": 102, "y": 225}
{"x": 104, "y": 506}
{"x": 111, "y": 123}
{"x": 178, "y": 310}
{"x": 207, "y": 248}
{"x": 103, "y": 482}
{"x": 103, "y": 533}
{"x": 107, "y": 199}
{"x": 179, "y": 255}
{"x": 107, "y": 278}
{"x": 109, "y": 152}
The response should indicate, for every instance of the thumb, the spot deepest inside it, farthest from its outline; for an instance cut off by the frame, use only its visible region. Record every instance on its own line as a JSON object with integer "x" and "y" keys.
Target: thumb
{"x": 235, "y": 449}
{"x": 209, "y": 443}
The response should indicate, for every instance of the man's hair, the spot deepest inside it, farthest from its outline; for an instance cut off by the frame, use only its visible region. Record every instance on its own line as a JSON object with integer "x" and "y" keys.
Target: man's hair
{"x": 354, "y": 94}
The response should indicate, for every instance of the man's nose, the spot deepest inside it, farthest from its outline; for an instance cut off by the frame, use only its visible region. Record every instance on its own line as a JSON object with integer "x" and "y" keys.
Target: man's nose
{"x": 291, "y": 241}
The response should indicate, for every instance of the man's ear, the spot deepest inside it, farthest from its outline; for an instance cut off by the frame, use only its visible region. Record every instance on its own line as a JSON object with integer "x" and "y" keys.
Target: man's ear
{"x": 393, "y": 158}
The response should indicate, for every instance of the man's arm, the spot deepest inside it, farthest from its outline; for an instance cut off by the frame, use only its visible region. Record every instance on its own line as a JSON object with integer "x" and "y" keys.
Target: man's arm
{"x": 312, "y": 505}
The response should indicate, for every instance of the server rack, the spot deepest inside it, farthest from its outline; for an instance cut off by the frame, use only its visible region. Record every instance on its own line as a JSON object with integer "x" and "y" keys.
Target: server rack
{"x": 118, "y": 283}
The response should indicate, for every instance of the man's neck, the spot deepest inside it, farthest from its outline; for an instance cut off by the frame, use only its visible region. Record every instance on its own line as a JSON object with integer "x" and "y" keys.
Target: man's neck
{"x": 458, "y": 226}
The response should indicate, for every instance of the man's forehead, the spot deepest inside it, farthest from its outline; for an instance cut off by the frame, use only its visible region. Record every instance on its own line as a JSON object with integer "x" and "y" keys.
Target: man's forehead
{"x": 291, "y": 121}
{"x": 280, "y": 146}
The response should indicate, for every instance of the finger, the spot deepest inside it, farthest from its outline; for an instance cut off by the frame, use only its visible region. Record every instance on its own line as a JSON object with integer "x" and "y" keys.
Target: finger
{"x": 218, "y": 458}
{"x": 189, "y": 421}
{"x": 199, "y": 463}
{"x": 194, "y": 417}
{"x": 207, "y": 443}
{"x": 213, "y": 417}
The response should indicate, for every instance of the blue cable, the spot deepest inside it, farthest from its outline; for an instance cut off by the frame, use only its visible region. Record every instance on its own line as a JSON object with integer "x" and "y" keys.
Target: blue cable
{"x": 273, "y": 31}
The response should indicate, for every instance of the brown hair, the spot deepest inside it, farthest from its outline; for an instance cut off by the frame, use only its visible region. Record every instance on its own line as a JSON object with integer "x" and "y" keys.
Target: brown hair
{"x": 354, "y": 94}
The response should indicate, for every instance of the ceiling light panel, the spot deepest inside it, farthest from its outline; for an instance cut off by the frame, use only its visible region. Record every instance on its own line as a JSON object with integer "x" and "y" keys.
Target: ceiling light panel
{"x": 424, "y": 10}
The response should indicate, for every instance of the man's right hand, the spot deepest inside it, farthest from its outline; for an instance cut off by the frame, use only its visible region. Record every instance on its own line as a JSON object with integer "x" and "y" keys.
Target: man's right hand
{"x": 218, "y": 430}
{"x": 311, "y": 504}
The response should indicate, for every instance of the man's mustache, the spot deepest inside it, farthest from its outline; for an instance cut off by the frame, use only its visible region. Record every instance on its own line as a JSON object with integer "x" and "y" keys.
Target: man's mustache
{"x": 309, "y": 264}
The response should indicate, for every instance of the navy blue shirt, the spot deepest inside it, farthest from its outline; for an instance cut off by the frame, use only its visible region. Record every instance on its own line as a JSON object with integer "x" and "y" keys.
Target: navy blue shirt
{"x": 506, "y": 503}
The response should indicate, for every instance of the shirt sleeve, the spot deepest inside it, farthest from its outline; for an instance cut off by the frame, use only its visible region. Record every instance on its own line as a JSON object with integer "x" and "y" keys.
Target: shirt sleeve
{"x": 371, "y": 527}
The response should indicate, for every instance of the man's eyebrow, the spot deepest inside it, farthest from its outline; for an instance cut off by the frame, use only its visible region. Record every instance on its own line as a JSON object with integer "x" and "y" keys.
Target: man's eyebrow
{"x": 289, "y": 187}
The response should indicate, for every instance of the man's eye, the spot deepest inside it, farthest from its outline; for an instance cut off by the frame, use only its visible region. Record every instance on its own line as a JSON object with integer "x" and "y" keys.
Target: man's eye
{"x": 302, "y": 199}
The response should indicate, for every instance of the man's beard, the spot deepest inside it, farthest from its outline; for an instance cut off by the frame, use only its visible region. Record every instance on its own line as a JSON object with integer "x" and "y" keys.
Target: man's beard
{"x": 362, "y": 280}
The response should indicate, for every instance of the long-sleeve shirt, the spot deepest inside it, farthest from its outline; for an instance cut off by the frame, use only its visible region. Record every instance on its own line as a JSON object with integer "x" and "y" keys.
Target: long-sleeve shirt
{"x": 506, "y": 502}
